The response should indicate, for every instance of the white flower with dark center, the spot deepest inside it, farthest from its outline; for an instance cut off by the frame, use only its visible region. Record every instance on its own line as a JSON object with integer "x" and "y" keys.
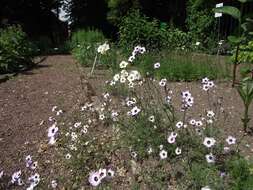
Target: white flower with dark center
{"x": 123, "y": 64}
{"x": 114, "y": 114}
{"x": 179, "y": 124}
{"x": 102, "y": 173}
{"x": 205, "y": 87}
{"x": 116, "y": 77}
{"x": 54, "y": 184}
{"x": 135, "y": 111}
{"x": 231, "y": 140}
{"x": 178, "y": 151}
{"x": 77, "y": 124}
{"x": 101, "y": 116}
{"x": 205, "y": 80}
{"x": 198, "y": 131}
{"x": 171, "y": 139}
{"x": 68, "y": 156}
{"x": 210, "y": 114}
{"x": 28, "y": 160}
{"x": 186, "y": 94}
{"x": 94, "y": 179}
{"x": 210, "y": 158}
{"x": 162, "y": 82}
{"x": 34, "y": 165}
{"x": 112, "y": 83}
{"x": 142, "y": 50}
{"x": 20, "y": 182}
{"x": 209, "y": 142}
{"x": 163, "y": 154}
{"x": 52, "y": 130}
{"x": 193, "y": 122}
{"x": 133, "y": 154}
{"x": 151, "y": 118}
{"x": 199, "y": 123}
{"x": 110, "y": 173}
{"x": 157, "y": 65}
{"x": 122, "y": 79}
{"x": 210, "y": 84}
{"x": 173, "y": 134}
{"x": 131, "y": 58}
{"x": 72, "y": 147}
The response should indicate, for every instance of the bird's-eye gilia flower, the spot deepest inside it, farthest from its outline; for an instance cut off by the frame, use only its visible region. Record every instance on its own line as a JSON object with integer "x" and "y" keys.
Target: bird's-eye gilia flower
{"x": 123, "y": 64}
{"x": 178, "y": 151}
{"x": 157, "y": 65}
{"x": 210, "y": 158}
{"x": 209, "y": 142}
{"x": 94, "y": 179}
{"x": 179, "y": 124}
{"x": 110, "y": 173}
{"x": 52, "y": 131}
{"x": 231, "y": 140}
{"x": 163, "y": 154}
{"x": 135, "y": 111}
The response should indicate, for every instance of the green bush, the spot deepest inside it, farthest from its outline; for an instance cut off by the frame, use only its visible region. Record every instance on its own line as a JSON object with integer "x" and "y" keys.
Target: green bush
{"x": 201, "y": 21}
{"x": 246, "y": 53}
{"x": 136, "y": 28}
{"x": 16, "y": 52}
{"x": 86, "y": 38}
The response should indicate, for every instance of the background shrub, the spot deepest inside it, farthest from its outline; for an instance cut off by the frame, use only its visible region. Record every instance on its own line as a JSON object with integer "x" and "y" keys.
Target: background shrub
{"x": 136, "y": 28}
{"x": 16, "y": 52}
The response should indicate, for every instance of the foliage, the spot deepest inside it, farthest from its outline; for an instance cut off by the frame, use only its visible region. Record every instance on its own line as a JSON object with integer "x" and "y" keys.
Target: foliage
{"x": 246, "y": 53}
{"x": 85, "y": 45}
{"x": 200, "y": 22}
{"x": 16, "y": 52}
{"x": 137, "y": 28}
{"x": 245, "y": 26}
{"x": 241, "y": 173}
{"x": 245, "y": 91}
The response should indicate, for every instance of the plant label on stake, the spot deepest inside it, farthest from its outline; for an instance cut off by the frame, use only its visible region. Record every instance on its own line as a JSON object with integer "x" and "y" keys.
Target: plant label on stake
{"x": 217, "y": 15}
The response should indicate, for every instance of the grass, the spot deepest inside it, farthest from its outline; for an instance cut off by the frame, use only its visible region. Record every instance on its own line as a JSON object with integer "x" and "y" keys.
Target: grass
{"x": 185, "y": 66}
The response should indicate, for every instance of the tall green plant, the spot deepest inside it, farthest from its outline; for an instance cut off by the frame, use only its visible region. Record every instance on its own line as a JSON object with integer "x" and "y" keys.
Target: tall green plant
{"x": 244, "y": 29}
{"x": 245, "y": 91}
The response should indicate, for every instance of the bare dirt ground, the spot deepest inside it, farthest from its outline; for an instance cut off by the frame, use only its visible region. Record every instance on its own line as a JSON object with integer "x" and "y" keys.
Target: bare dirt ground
{"x": 27, "y": 99}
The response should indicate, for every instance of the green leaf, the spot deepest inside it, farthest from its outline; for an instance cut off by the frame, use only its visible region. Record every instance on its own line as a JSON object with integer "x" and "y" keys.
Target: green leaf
{"x": 230, "y": 10}
{"x": 235, "y": 39}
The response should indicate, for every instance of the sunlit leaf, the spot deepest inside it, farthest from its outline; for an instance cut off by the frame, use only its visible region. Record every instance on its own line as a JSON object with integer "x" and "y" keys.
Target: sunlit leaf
{"x": 232, "y": 11}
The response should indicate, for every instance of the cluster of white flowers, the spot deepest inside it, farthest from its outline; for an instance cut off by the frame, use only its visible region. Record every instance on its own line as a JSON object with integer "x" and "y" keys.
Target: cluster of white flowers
{"x": 16, "y": 178}
{"x": 187, "y": 100}
{"x": 102, "y": 49}
{"x": 95, "y": 178}
{"x": 30, "y": 163}
{"x": 207, "y": 84}
{"x": 136, "y": 51}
